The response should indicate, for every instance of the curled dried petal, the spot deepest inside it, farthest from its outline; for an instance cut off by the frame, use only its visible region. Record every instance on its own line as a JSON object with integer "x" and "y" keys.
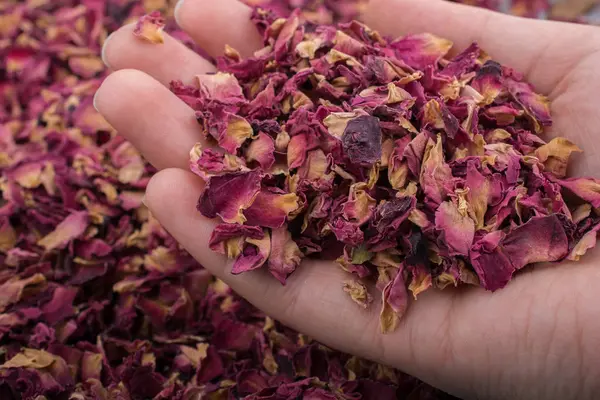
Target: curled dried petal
{"x": 358, "y": 292}
{"x": 12, "y": 290}
{"x": 587, "y": 242}
{"x": 478, "y": 195}
{"x": 421, "y": 280}
{"x": 421, "y": 50}
{"x": 271, "y": 208}
{"x": 254, "y": 254}
{"x": 488, "y": 82}
{"x": 150, "y": 27}
{"x": 457, "y": 229}
{"x": 395, "y": 302}
{"x": 228, "y": 195}
{"x": 262, "y": 150}
{"x": 208, "y": 162}
{"x": 236, "y": 132}
{"x": 535, "y": 105}
{"x": 587, "y": 189}
{"x": 71, "y": 228}
{"x": 555, "y": 155}
{"x": 220, "y": 86}
{"x": 285, "y": 254}
{"x": 359, "y": 207}
{"x": 435, "y": 173}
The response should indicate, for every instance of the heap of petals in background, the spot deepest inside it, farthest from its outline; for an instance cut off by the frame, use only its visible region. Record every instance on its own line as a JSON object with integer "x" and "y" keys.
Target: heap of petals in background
{"x": 97, "y": 301}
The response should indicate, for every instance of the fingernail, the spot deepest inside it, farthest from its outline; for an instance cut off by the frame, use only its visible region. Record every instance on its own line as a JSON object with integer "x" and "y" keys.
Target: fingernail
{"x": 144, "y": 200}
{"x": 103, "y": 53}
{"x": 94, "y": 100}
{"x": 176, "y": 11}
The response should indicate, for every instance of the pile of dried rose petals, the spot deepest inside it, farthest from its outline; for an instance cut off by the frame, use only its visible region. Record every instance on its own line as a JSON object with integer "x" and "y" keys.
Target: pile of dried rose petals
{"x": 413, "y": 169}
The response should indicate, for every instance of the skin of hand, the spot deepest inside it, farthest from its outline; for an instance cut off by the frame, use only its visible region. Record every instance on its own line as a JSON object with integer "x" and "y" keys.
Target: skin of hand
{"x": 538, "y": 338}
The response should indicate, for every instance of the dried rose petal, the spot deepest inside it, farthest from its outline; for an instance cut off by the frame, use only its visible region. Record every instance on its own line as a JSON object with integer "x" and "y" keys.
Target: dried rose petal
{"x": 457, "y": 229}
{"x": 150, "y": 27}
{"x": 541, "y": 239}
{"x": 421, "y": 50}
{"x": 421, "y": 279}
{"x": 254, "y": 254}
{"x": 271, "y": 208}
{"x": 358, "y": 292}
{"x": 285, "y": 254}
{"x": 436, "y": 175}
{"x": 71, "y": 228}
{"x": 228, "y": 195}
{"x": 234, "y": 131}
{"x": 492, "y": 266}
{"x": 555, "y": 155}
{"x": 535, "y": 105}
{"x": 478, "y": 195}
{"x": 360, "y": 206}
{"x": 228, "y": 239}
{"x": 220, "y": 86}
{"x": 588, "y": 241}
{"x": 262, "y": 150}
{"x": 361, "y": 141}
{"x": 208, "y": 162}
{"x": 587, "y": 189}
{"x": 397, "y": 165}
{"x": 395, "y": 302}
{"x": 12, "y": 290}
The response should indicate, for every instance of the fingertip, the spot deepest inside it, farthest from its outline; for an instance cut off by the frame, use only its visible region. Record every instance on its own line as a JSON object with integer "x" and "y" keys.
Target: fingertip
{"x": 118, "y": 89}
{"x": 170, "y": 60}
{"x": 173, "y": 190}
{"x": 110, "y": 50}
{"x": 216, "y": 23}
{"x": 121, "y": 81}
{"x": 150, "y": 116}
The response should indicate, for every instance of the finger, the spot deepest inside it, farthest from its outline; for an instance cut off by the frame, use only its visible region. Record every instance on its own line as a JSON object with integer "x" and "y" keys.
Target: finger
{"x": 165, "y": 62}
{"x": 543, "y": 50}
{"x": 214, "y": 23}
{"x": 312, "y": 294}
{"x": 152, "y": 118}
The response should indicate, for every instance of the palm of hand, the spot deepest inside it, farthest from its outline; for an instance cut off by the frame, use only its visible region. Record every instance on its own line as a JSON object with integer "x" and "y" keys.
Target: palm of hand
{"x": 535, "y": 338}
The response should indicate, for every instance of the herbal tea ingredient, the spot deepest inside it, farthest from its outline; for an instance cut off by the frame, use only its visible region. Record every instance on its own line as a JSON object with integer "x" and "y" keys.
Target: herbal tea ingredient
{"x": 412, "y": 168}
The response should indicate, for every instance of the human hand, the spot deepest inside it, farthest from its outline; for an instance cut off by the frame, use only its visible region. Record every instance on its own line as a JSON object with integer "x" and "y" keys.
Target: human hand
{"x": 537, "y": 338}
